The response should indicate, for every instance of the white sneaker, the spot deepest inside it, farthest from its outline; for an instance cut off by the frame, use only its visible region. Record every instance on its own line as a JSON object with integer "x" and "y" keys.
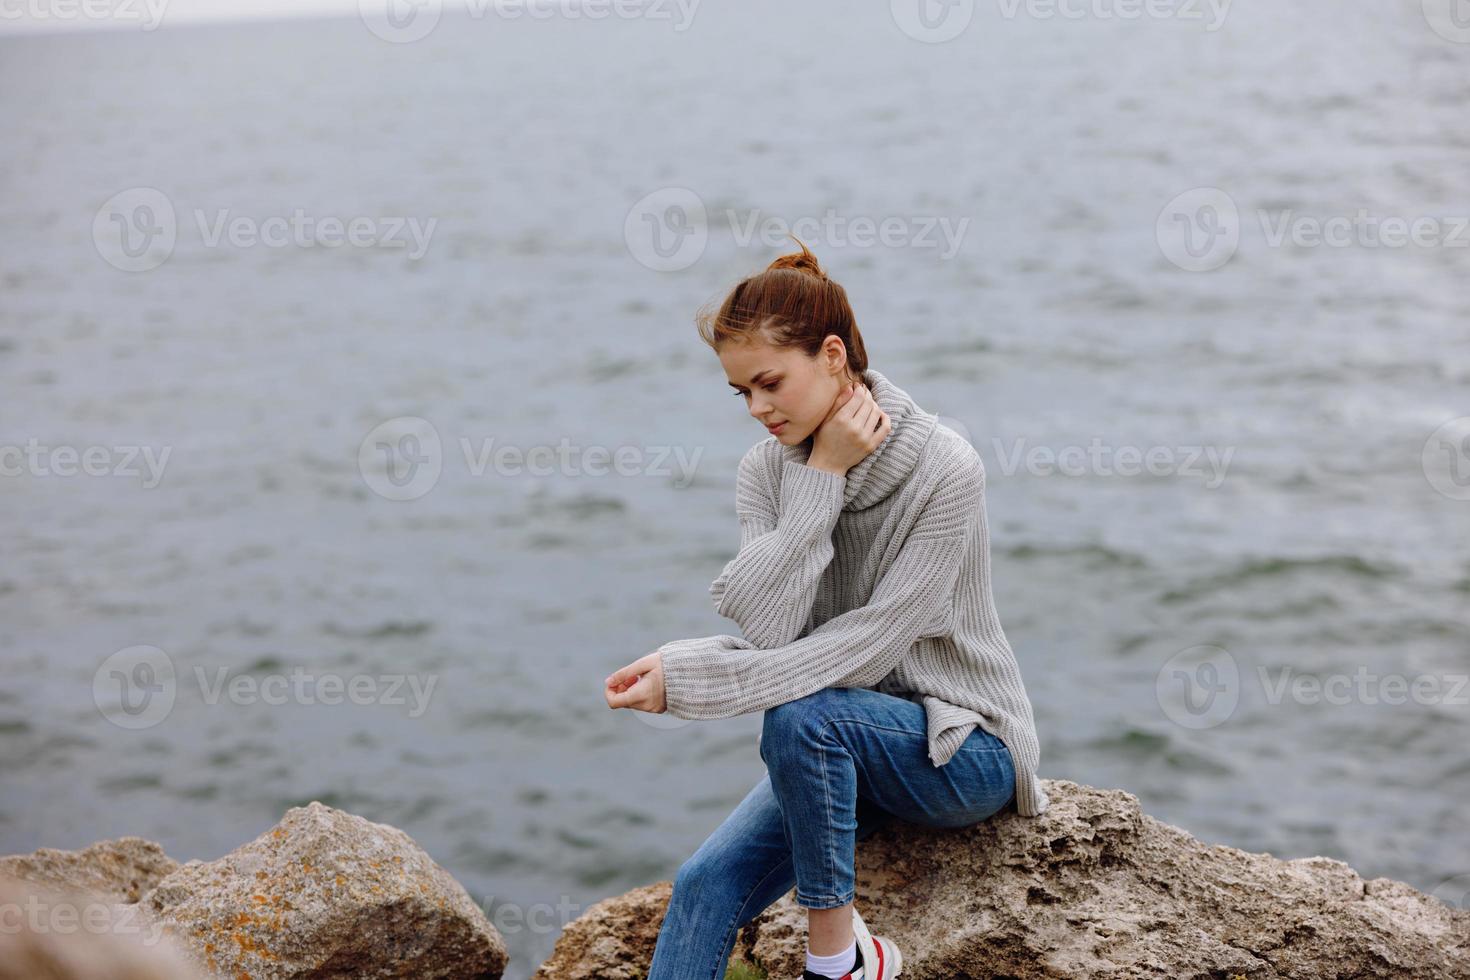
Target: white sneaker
{"x": 878, "y": 957}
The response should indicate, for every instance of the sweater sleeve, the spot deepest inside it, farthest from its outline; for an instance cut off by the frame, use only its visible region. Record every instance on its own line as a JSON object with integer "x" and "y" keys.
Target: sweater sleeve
{"x": 769, "y": 587}
{"x": 724, "y": 676}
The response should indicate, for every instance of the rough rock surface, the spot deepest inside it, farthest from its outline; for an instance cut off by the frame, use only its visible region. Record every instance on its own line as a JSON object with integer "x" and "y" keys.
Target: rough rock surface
{"x": 1093, "y": 888}
{"x": 119, "y": 870}
{"x": 326, "y": 894}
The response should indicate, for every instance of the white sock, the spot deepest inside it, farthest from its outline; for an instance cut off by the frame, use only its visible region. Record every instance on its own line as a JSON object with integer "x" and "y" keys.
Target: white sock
{"x": 832, "y": 966}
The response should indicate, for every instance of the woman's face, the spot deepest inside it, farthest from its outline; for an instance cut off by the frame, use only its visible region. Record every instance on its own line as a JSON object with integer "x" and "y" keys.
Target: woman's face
{"x": 785, "y": 385}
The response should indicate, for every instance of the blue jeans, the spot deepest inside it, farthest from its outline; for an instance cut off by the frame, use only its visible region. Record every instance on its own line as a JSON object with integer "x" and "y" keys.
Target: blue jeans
{"x": 840, "y": 763}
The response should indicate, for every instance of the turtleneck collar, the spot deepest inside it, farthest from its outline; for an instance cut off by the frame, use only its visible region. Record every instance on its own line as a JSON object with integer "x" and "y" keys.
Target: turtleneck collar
{"x": 881, "y": 472}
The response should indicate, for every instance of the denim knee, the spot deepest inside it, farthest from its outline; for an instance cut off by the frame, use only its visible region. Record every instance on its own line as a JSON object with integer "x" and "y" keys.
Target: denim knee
{"x": 799, "y": 721}
{"x": 695, "y": 869}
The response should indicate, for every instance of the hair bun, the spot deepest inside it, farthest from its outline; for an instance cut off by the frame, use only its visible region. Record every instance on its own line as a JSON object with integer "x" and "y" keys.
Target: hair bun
{"x": 803, "y": 261}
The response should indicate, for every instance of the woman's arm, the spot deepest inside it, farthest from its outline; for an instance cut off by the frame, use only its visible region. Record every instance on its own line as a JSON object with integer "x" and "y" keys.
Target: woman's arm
{"x": 769, "y": 587}
{"x": 721, "y": 677}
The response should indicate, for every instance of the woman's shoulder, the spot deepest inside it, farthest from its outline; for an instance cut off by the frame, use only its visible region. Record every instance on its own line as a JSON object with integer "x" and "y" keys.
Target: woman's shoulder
{"x": 950, "y": 459}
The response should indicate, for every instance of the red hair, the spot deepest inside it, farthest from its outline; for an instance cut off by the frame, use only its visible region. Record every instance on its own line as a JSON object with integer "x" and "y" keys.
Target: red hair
{"x": 791, "y": 303}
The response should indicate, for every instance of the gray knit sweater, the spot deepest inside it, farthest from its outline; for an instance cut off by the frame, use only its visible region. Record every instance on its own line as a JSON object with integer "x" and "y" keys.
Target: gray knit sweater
{"x": 877, "y": 579}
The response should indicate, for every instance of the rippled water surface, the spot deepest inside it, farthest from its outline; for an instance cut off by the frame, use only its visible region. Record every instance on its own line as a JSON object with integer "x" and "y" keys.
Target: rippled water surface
{"x": 1325, "y": 550}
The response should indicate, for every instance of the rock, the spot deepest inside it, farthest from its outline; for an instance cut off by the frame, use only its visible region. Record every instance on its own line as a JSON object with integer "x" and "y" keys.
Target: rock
{"x": 613, "y": 939}
{"x": 55, "y": 932}
{"x": 1093, "y": 888}
{"x": 326, "y": 894}
{"x": 120, "y": 870}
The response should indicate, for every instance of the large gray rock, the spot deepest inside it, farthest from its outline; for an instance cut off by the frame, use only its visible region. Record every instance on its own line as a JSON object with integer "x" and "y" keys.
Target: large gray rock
{"x": 1093, "y": 888}
{"x": 326, "y": 894}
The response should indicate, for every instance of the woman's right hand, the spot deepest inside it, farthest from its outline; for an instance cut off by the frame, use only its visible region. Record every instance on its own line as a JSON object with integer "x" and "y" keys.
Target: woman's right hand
{"x": 854, "y": 427}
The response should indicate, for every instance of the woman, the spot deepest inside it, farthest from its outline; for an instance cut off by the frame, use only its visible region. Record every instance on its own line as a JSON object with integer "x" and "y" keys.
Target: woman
{"x": 870, "y": 639}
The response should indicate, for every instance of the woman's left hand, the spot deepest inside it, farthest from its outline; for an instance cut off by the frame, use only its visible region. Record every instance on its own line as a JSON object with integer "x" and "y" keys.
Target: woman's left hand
{"x": 639, "y": 685}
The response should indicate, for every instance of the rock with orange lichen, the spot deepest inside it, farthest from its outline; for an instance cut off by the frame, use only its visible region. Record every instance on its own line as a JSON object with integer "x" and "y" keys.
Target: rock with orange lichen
{"x": 121, "y": 869}
{"x": 326, "y": 894}
{"x": 1093, "y": 888}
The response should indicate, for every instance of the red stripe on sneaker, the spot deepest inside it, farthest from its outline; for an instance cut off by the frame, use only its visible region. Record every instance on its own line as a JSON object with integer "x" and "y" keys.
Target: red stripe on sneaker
{"x": 878, "y": 948}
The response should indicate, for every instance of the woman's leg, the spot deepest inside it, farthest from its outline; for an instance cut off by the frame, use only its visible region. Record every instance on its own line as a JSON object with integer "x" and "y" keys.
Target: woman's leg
{"x": 836, "y": 748}
{"x": 734, "y": 876}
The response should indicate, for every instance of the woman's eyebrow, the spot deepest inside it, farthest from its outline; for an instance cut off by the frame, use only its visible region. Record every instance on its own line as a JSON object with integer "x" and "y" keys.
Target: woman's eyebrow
{"x": 754, "y": 380}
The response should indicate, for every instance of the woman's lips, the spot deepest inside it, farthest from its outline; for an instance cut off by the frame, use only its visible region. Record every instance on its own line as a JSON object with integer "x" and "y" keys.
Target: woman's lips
{"x": 773, "y": 429}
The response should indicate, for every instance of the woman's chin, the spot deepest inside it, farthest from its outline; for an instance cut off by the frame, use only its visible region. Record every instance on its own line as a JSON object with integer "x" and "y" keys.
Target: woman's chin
{"x": 785, "y": 436}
